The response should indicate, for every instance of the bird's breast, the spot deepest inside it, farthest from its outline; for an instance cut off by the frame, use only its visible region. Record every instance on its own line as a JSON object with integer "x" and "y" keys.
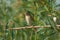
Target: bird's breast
{"x": 54, "y": 19}
{"x": 27, "y": 19}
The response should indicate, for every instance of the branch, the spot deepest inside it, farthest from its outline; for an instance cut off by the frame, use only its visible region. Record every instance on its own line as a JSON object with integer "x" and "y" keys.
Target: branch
{"x": 48, "y": 26}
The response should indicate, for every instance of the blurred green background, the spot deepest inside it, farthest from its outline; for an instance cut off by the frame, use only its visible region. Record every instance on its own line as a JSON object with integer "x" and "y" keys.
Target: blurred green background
{"x": 12, "y": 16}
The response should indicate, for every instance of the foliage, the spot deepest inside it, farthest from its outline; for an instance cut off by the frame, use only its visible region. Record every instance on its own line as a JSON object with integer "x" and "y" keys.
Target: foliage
{"x": 12, "y": 16}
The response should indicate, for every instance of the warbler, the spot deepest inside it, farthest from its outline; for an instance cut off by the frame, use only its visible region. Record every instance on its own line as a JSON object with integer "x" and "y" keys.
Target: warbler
{"x": 29, "y": 18}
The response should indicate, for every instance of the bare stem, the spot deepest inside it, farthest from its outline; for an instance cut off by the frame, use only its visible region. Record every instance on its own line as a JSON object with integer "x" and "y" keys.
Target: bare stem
{"x": 47, "y": 26}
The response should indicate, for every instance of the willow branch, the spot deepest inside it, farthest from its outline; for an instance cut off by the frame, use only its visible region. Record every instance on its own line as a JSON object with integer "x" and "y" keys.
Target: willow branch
{"x": 28, "y": 27}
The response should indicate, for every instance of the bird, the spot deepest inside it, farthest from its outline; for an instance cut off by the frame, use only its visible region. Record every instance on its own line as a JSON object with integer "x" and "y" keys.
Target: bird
{"x": 54, "y": 19}
{"x": 28, "y": 18}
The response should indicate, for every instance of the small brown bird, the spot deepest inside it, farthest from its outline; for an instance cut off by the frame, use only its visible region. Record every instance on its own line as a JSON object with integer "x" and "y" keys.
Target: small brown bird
{"x": 28, "y": 18}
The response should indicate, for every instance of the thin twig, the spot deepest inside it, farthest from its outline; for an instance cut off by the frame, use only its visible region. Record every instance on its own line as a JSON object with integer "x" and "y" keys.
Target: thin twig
{"x": 48, "y": 26}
